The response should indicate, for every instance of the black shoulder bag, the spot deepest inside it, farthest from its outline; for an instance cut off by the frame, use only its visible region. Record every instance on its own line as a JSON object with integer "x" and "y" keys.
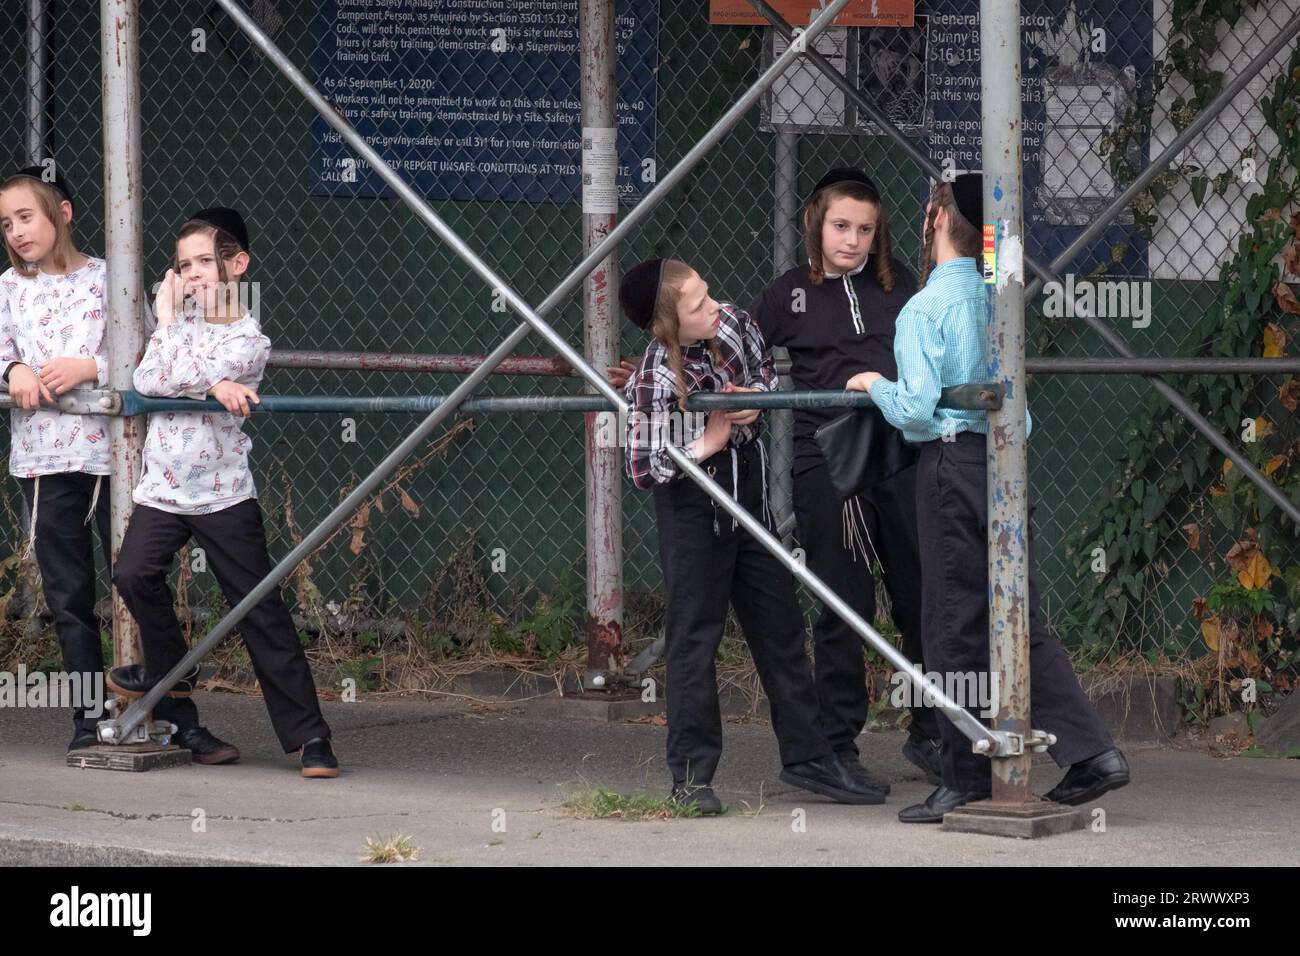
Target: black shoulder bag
{"x": 862, "y": 449}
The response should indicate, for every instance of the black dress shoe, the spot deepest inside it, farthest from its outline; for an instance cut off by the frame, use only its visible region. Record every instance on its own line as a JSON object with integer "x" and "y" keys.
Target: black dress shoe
{"x": 83, "y": 739}
{"x": 853, "y": 764}
{"x": 937, "y": 804}
{"x": 204, "y": 748}
{"x": 923, "y": 754}
{"x": 829, "y": 777}
{"x": 694, "y": 795}
{"x": 134, "y": 681}
{"x": 318, "y": 758}
{"x": 1088, "y": 779}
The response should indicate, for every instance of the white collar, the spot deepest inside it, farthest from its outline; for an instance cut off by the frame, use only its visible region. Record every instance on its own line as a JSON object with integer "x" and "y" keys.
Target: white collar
{"x": 835, "y": 275}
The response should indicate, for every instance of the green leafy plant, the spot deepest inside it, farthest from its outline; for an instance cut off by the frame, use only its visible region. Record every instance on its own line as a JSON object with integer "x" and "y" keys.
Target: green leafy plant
{"x": 554, "y": 622}
{"x": 363, "y": 671}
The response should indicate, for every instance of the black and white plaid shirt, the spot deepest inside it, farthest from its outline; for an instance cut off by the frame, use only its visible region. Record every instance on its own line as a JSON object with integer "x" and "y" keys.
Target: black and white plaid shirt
{"x": 655, "y": 418}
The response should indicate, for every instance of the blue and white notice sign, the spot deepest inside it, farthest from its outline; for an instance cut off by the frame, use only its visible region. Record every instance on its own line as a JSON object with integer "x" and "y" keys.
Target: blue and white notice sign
{"x": 478, "y": 100}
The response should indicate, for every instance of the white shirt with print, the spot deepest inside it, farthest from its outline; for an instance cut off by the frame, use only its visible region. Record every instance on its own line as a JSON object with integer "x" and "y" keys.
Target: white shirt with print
{"x": 43, "y": 318}
{"x": 197, "y": 462}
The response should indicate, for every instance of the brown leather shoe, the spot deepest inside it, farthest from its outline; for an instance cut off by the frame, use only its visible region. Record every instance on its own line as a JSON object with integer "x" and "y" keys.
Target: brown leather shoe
{"x": 318, "y": 758}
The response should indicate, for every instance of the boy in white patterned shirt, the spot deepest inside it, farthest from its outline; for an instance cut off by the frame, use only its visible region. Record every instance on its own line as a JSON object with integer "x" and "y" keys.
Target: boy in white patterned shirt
{"x": 52, "y": 341}
{"x": 196, "y": 483}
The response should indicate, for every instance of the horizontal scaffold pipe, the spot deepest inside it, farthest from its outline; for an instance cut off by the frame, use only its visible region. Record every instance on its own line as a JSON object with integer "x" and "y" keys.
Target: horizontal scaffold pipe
{"x": 540, "y": 365}
{"x": 984, "y": 396}
{"x": 414, "y": 362}
{"x": 108, "y": 402}
{"x": 987, "y": 396}
{"x": 1161, "y": 366}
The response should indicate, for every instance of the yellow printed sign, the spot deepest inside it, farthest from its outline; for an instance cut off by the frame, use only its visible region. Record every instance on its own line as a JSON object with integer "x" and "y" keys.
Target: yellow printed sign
{"x": 990, "y": 252}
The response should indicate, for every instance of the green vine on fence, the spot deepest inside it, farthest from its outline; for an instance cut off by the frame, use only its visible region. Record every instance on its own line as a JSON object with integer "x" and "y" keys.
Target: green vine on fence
{"x": 1246, "y": 617}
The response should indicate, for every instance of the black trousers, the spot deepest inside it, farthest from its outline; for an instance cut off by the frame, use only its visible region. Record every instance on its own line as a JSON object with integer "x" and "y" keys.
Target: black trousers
{"x": 65, "y": 554}
{"x": 952, "y": 518}
{"x": 889, "y": 513}
{"x": 705, "y": 570}
{"x": 235, "y": 546}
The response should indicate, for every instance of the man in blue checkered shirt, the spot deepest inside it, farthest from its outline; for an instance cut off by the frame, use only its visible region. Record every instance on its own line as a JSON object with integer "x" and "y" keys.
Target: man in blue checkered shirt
{"x": 940, "y": 342}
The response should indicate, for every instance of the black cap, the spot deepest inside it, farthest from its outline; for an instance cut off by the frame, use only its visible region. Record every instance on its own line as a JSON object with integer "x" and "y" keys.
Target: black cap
{"x": 968, "y": 191}
{"x": 638, "y": 293}
{"x": 843, "y": 174}
{"x": 227, "y": 220}
{"x": 58, "y": 182}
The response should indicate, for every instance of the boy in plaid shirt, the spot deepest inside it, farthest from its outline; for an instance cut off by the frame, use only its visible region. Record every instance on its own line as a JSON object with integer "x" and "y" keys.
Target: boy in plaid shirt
{"x": 708, "y": 560}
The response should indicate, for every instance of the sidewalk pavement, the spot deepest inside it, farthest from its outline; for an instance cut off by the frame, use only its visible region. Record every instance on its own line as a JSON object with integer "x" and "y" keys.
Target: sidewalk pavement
{"x": 451, "y": 775}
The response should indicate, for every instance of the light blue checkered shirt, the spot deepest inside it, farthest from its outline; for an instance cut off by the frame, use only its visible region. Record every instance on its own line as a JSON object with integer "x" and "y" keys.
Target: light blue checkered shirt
{"x": 939, "y": 340}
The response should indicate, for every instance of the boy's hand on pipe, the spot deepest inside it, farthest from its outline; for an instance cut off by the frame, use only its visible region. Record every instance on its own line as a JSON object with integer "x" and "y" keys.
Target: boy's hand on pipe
{"x": 717, "y": 432}
{"x": 27, "y": 390}
{"x": 740, "y": 416}
{"x": 65, "y": 373}
{"x": 863, "y": 381}
{"x": 234, "y": 397}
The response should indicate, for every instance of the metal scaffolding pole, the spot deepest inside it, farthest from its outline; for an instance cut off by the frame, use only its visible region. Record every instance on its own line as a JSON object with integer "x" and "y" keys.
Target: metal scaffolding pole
{"x": 603, "y": 624}
{"x": 1008, "y": 482}
{"x": 124, "y": 255}
{"x": 1161, "y": 366}
{"x": 414, "y": 362}
{"x": 109, "y": 402}
{"x": 38, "y": 118}
{"x": 38, "y": 80}
{"x": 552, "y": 366}
{"x": 785, "y": 240}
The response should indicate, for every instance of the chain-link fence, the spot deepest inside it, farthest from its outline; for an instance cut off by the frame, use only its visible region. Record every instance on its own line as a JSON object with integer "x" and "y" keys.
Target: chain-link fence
{"x": 481, "y": 536}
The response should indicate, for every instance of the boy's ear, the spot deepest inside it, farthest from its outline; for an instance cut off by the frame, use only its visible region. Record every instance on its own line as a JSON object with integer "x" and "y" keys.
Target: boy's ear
{"x": 65, "y": 208}
{"x": 239, "y": 263}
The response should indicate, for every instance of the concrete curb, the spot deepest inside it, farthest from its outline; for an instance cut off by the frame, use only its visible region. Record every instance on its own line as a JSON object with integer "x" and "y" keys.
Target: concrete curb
{"x": 30, "y": 851}
{"x": 1134, "y": 707}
